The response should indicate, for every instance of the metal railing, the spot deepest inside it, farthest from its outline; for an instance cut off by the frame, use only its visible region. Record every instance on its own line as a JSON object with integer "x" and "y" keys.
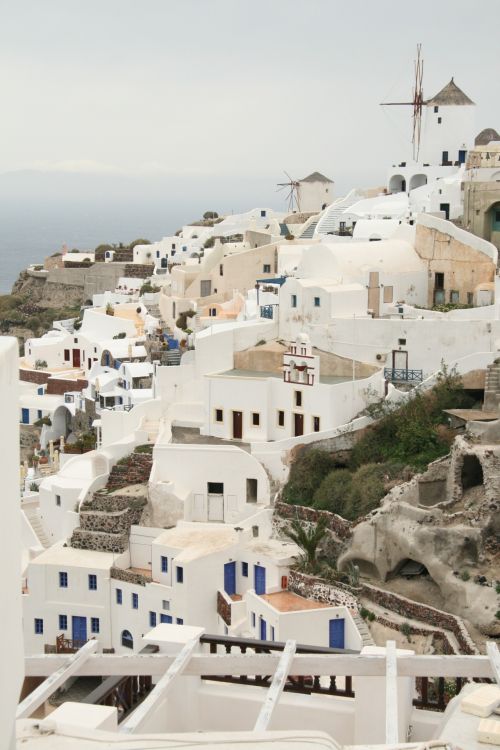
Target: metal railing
{"x": 403, "y": 376}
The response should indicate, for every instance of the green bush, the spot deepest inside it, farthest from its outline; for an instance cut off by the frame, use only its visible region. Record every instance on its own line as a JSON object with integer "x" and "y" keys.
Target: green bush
{"x": 332, "y": 493}
{"x": 40, "y": 364}
{"x": 210, "y": 215}
{"x": 145, "y": 448}
{"x": 405, "y": 628}
{"x": 306, "y": 475}
{"x": 121, "y": 335}
{"x": 465, "y": 575}
{"x": 210, "y": 242}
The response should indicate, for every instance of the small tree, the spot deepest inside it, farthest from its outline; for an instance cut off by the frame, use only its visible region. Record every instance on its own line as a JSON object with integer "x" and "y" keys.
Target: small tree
{"x": 308, "y": 539}
{"x": 210, "y": 215}
{"x": 109, "y": 309}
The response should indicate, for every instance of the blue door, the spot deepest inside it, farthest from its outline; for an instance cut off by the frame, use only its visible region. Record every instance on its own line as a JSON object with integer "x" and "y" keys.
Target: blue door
{"x": 259, "y": 578}
{"x": 337, "y": 628}
{"x": 26, "y": 416}
{"x": 230, "y": 578}
{"x": 79, "y": 629}
{"x": 166, "y": 618}
{"x": 263, "y": 629}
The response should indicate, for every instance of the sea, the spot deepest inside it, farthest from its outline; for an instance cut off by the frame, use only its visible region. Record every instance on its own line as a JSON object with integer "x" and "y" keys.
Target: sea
{"x": 39, "y": 212}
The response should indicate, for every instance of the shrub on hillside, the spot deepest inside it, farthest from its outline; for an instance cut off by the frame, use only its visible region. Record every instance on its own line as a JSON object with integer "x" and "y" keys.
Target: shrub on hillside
{"x": 306, "y": 475}
{"x": 333, "y": 491}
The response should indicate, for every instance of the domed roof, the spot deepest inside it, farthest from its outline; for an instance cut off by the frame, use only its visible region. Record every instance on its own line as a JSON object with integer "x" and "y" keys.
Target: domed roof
{"x": 486, "y": 136}
{"x": 449, "y": 95}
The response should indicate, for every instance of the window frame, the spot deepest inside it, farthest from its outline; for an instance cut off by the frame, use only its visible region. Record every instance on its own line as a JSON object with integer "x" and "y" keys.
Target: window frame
{"x": 135, "y": 600}
{"x": 63, "y": 576}
{"x": 38, "y": 625}
{"x": 256, "y": 414}
{"x": 293, "y": 301}
{"x": 118, "y": 596}
{"x": 63, "y": 622}
{"x": 244, "y": 569}
{"x": 280, "y": 412}
{"x": 92, "y": 579}
{"x": 314, "y": 418}
{"x": 152, "y": 619}
{"x": 164, "y": 563}
{"x": 179, "y": 574}
{"x": 216, "y": 420}
{"x": 95, "y": 625}
{"x": 298, "y": 399}
{"x": 317, "y": 302}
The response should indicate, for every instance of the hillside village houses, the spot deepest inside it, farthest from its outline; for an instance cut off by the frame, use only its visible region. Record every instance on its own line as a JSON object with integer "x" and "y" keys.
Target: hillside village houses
{"x": 293, "y": 330}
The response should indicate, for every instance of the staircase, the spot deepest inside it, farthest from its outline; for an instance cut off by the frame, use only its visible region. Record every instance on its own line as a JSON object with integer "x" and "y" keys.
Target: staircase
{"x": 332, "y": 216}
{"x": 32, "y": 514}
{"x": 308, "y": 232}
{"x": 363, "y": 629}
{"x": 153, "y": 309}
{"x": 492, "y": 387}
{"x": 173, "y": 357}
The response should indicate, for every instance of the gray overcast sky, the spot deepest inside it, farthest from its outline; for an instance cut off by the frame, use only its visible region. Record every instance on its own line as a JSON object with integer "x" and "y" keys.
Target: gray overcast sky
{"x": 231, "y": 87}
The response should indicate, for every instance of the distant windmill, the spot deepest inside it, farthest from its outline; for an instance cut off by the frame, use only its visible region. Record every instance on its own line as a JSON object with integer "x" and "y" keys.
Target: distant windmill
{"x": 293, "y": 192}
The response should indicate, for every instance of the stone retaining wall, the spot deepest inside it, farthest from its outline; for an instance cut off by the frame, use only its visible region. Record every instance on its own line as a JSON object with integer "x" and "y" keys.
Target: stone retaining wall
{"x": 311, "y": 587}
{"x": 99, "y": 541}
{"x": 59, "y": 386}
{"x": 223, "y": 608}
{"x": 136, "y": 470}
{"x": 336, "y": 524}
{"x": 129, "y": 576}
{"x": 139, "y": 270}
{"x": 440, "y": 636}
{"x": 418, "y": 611}
{"x": 34, "y": 376}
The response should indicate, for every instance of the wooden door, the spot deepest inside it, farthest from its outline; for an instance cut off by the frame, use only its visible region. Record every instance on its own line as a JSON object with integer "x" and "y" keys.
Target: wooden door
{"x": 76, "y": 357}
{"x": 237, "y": 425}
{"x": 298, "y": 423}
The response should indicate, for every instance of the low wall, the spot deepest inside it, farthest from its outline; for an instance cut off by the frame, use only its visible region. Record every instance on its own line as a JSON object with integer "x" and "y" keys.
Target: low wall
{"x": 418, "y": 611}
{"x": 437, "y": 635}
{"x": 34, "y": 376}
{"x": 315, "y": 588}
{"x": 338, "y": 525}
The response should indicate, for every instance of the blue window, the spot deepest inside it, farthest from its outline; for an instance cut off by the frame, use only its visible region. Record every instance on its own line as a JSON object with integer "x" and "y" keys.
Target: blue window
{"x": 63, "y": 580}
{"x": 180, "y": 574}
{"x": 38, "y": 626}
{"x": 294, "y": 300}
{"x": 262, "y": 213}
{"x": 253, "y": 619}
{"x": 92, "y": 582}
{"x": 119, "y": 596}
{"x": 157, "y": 253}
{"x": 40, "y": 391}
{"x": 317, "y": 302}
{"x": 135, "y": 601}
{"x": 63, "y": 622}
{"x": 152, "y": 619}
{"x": 94, "y": 624}
{"x": 244, "y": 569}
{"x": 164, "y": 564}
{"x": 180, "y": 621}
{"x": 166, "y": 618}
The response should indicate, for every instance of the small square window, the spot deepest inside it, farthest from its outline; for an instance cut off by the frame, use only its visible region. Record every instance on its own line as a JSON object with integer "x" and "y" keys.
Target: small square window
{"x": 63, "y": 580}
{"x": 255, "y": 418}
{"x": 317, "y": 302}
{"x": 94, "y": 624}
{"x": 58, "y": 499}
{"x": 219, "y": 415}
{"x": 38, "y": 626}
{"x": 135, "y": 601}
{"x": 164, "y": 564}
{"x": 165, "y": 604}
{"x": 402, "y": 342}
{"x": 244, "y": 569}
{"x": 119, "y": 596}
{"x": 436, "y": 109}
{"x": 298, "y": 398}
{"x": 75, "y": 341}
{"x": 180, "y": 621}
{"x": 440, "y": 120}
{"x": 179, "y": 574}
{"x": 63, "y": 622}
{"x": 92, "y": 582}
{"x": 316, "y": 424}
{"x": 281, "y": 418}
{"x": 293, "y": 301}
{"x": 267, "y": 268}
{"x": 152, "y": 619}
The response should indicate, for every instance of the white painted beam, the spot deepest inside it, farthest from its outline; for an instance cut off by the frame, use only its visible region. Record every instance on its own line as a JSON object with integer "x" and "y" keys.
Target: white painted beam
{"x": 276, "y": 687}
{"x": 369, "y": 665}
{"x": 72, "y": 665}
{"x": 494, "y": 657}
{"x": 160, "y": 691}
{"x": 391, "y": 694}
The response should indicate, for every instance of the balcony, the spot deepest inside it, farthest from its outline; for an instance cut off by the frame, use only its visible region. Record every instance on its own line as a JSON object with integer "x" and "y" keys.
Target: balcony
{"x": 403, "y": 376}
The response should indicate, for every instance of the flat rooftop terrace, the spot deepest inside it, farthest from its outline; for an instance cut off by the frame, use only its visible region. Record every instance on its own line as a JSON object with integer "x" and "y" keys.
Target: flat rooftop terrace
{"x": 236, "y": 373}
{"x": 286, "y": 601}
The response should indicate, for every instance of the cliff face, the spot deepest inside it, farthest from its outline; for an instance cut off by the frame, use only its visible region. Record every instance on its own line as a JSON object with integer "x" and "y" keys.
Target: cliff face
{"x": 50, "y": 294}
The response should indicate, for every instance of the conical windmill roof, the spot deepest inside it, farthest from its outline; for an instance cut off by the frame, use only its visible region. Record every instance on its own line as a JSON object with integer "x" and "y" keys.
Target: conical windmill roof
{"x": 450, "y": 95}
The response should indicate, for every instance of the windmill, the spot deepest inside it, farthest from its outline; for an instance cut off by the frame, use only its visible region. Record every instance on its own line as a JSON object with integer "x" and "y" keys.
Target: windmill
{"x": 417, "y": 103}
{"x": 293, "y": 192}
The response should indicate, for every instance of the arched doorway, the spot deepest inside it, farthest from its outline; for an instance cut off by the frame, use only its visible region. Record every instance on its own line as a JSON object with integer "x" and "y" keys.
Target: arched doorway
{"x": 418, "y": 180}
{"x": 492, "y": 223}
{"x": 127, "y": 639}
{"x": 397, "y": 184}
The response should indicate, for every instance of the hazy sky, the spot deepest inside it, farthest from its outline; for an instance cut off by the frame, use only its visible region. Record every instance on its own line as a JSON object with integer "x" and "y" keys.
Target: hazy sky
{"x": 231, "y": 90}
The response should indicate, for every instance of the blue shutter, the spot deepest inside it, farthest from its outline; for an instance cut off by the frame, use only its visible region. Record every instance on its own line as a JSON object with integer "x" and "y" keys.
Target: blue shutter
{"x": 259, "y": 579}
{"x": 336, "y": 633}
{"x": 263, "y": 629}
{"x": 230, "y": 578}
{"x": 166, "y": 618}
{"x": 25, "y": 416}
{"x": 79, "y": 629}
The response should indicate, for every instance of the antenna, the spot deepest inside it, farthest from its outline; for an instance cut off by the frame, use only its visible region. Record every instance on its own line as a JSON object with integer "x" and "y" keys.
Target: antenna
{"x": 416, "y": 103}
{"x": 293, "y": 193}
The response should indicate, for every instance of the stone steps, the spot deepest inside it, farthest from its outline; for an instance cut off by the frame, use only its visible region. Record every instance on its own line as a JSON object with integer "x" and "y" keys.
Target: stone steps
{"x": 364, "y": 631}
{"x": 37, "y": 526}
